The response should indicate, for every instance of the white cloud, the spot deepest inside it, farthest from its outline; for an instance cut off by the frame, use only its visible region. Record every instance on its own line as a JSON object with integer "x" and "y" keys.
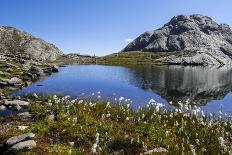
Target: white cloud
{"x": 128, "y": 40}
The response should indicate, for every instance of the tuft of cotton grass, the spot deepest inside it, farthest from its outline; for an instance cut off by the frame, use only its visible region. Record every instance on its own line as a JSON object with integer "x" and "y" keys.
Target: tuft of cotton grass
{"x": 95, "y": 145}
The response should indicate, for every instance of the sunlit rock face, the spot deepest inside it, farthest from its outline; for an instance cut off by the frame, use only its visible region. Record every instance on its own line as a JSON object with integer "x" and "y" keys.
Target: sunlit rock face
{"x": 201, "y": 41}
{"x": 14, "y": 42}
{"x": 178, "y": 83}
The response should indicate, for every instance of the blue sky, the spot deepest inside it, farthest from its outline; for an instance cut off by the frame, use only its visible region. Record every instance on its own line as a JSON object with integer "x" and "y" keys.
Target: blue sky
{"x": 101, "y": 27}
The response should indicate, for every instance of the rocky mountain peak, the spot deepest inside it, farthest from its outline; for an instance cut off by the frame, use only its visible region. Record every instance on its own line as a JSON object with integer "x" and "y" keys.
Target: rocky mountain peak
{"x": 195, "y": 34}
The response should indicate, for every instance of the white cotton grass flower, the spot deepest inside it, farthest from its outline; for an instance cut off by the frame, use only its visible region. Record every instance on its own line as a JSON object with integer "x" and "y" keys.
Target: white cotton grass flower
{"x": 121, "y": 99}
{"x": 95, "y": 145}
{"x": 80, "y": 102}
{"x": 143, "y": 116}
{"x": 35, "y": 95}
{"x": 73, "y": 101}
{"x": 71, "y": 143}
{"x": 192, "y": 149}
{"x": 221, "y": 142}
{"x": 108, "y": 115}
{"x": 108, "y": 105}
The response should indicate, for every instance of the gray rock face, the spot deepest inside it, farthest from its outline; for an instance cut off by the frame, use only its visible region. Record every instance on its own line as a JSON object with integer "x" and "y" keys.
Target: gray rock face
{"x": 26, "y": 145}
{"x": 197, "y": 38}
{"x": 15, "y": 42}
{"x": 20, "y": 138}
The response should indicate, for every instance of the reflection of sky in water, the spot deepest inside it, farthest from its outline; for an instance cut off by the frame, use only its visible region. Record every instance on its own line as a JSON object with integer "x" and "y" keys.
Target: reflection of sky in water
{"x": 139, "y": 83}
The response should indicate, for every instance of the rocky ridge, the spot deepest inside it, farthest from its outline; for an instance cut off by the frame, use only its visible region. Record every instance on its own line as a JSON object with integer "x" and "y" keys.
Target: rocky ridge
{"x": 16, "y": 43}
{"x": 194, "y": 40}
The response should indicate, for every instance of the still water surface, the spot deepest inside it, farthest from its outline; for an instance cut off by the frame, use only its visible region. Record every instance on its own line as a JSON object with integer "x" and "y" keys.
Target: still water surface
{"x": 209, "y": 87}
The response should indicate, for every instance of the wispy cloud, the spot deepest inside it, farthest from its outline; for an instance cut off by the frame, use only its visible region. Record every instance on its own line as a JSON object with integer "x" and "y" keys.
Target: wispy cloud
{"x": 128, "y": 40}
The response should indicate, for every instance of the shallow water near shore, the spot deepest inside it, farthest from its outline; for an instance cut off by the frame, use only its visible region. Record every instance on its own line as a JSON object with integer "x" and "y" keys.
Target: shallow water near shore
{"x": 208, "y": 87}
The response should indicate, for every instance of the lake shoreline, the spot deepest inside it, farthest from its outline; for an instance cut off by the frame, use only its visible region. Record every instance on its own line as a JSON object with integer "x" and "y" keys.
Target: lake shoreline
{"x": 63, "y": 125}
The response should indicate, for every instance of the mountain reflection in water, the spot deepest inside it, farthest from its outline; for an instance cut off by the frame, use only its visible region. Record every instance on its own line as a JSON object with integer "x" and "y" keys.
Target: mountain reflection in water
{"x": 180, "y": 83}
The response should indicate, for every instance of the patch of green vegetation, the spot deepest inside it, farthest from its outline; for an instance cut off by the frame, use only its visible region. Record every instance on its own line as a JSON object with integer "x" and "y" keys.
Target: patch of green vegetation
{"x": 134, "y": 57}
{"x": 122, "y": 129}
{"x": 5, "y": 91}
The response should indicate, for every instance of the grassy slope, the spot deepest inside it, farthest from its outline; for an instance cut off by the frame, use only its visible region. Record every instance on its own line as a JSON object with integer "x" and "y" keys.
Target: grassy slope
{"x": 133, "y": 57}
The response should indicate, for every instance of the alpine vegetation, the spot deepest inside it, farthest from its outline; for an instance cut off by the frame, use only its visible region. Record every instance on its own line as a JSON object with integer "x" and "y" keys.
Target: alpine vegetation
{"x": 66, "y": 125}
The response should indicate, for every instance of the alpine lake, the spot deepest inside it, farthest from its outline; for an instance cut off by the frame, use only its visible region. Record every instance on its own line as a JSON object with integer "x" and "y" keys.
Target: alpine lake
{"x": 207, "y": 87}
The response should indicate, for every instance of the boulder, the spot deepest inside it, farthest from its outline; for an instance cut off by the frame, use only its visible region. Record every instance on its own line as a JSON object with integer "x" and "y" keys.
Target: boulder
{"x": 24, "y": 114}
{"x": 156, "y": 150}
{"x": 16, "y": 107}
{"x": 22, "y": 146}
{"x": 55, "y": 68}
{"x": 16, "y": 102}
{"x": 36, "y": 70}
{"x": 2, "y": 107}
{"x": 15, "y": 81}
{"x": 20, "y": 138}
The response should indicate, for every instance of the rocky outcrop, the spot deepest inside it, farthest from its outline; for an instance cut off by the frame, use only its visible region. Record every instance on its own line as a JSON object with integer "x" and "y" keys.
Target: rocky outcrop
{"x": 194, "y": 39}
{"x": 14, "y": 42}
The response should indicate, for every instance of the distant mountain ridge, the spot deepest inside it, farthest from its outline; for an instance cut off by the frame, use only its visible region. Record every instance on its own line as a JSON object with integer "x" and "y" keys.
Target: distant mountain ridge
{"x": 16, "y": 42}
{"x": 201, "y": 41}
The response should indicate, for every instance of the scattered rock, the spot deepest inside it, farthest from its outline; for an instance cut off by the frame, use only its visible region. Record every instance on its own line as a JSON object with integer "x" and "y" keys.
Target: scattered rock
{"x": 16, "y": 102}
{"x": 15, "y": 81}
{"x": 20, "y": 138}
{"x": 28, "y": 83}
{"x": 156, "y": 150}
{"x": 37, "y": 70}
{"x": 22, "y": 146}
{"x": 25, "y": 114}
{"x": 55, "y": 68}
{"x": 2, "y": 107}
{"x": 22, "y": 127}
{"x": 16, "y": 107}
